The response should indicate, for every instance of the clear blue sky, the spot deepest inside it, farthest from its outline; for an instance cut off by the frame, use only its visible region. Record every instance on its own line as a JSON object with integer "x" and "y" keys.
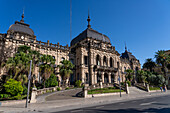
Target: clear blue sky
{"x": 143, "y": 24}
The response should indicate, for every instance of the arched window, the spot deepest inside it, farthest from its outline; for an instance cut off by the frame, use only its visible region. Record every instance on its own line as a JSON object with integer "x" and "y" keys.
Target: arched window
{"x": 111, "y": 62}
{"x": 62, "y": 58}
{"x": 53, "y": 57}
{"x": 104, "y": 61}
{"x": 98, "y": 60}
{"x": 118, "y": 65}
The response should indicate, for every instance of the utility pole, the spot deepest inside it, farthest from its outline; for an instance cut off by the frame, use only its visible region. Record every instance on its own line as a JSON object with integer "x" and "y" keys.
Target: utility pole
{"x": 29, "y": 79}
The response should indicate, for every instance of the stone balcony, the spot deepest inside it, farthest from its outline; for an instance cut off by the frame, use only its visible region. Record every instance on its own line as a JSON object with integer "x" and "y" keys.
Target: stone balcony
{"x": 105, "y": 68}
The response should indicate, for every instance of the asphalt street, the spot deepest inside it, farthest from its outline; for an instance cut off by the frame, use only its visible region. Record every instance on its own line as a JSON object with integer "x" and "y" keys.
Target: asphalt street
{"x": 148, "y": 105}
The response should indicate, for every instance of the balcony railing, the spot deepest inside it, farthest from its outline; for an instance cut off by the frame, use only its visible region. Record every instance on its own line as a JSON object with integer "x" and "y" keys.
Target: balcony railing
{"x": 98, "y": 67}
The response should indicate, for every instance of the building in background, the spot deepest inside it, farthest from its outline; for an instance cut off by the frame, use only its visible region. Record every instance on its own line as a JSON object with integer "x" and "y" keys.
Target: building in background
{"x": 91, "y": 52}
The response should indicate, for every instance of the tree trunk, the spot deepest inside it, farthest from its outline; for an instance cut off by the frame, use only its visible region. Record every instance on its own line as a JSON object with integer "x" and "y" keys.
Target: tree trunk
{"x": 44, "y": 83}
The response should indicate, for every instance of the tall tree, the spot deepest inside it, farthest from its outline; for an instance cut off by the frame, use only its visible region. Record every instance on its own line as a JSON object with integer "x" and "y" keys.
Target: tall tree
{"x": 162, "y": 59}
{"x": 46, "y": 66}
{"x": 149, "y": 64}
{"x": 65, "y": 70}
{"x": 129, "y": 74}
{"x": 141, "y": 76}
{"x": 18, "y": 66}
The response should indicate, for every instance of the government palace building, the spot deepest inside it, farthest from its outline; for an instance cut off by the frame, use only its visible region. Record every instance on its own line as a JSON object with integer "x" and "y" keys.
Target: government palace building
{"x": 91, "y": 52}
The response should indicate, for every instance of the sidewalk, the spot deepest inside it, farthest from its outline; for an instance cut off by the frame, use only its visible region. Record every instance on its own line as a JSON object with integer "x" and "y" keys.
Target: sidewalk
{"x": 59, "y": 105}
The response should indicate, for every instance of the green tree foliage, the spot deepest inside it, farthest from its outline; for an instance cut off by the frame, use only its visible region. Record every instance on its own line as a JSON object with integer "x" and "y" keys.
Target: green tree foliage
{"x": 78, "y": 83}
{"x": 129, "y": 74}
{"x": 52, "y": 81}
{"x": 163, "y": 60}
{"x": 47, "y": 66}
{"x": 18, "y": 66}
{"x": 65, "y": 70}
{"x": 13, "y": 87}
{"x": 141, "y": 76}
{"x": 149, "y": 64}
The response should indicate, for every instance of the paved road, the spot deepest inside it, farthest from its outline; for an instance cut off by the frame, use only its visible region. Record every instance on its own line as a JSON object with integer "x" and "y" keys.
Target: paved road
{"x": 148, "y": 105}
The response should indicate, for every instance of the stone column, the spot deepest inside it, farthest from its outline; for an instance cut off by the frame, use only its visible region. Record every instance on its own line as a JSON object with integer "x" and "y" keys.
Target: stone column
{"x": 116, "y": 77}
{"x": 127, "y": 88}
{"x": 33, "y": 95}
{"x": 109, "y": 77}
{"x": 147, "y": 88}
{"x": 95, "y": 77}
{"x": 85, "y": 90}
{"x": 102, "y": 75}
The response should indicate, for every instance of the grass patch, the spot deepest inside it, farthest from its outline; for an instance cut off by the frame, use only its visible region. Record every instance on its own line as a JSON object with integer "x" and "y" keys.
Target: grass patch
{"x": 104, "y": 90}
{"x": 154, "y": 88}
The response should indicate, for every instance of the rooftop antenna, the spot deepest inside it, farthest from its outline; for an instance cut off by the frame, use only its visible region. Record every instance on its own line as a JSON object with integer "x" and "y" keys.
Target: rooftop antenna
{"x": 125, "y": 47}
{"x": 88, "y": 19}
{"x": 22, "y": 20}
{"x": 70, "y": 20}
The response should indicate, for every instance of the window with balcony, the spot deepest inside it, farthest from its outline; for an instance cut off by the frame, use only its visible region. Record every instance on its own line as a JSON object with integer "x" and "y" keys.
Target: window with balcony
{"x": 85, "y": 60}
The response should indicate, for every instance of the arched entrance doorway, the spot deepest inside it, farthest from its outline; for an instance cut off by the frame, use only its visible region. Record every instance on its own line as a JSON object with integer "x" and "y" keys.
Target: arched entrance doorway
{"x": 106, "y": 78}
{"x": 98, "y": 77}
{"x": 112, "y": 78}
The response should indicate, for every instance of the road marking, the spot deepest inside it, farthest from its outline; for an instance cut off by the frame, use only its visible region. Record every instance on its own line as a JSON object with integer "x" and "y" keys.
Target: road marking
{"x": 100, "y": 107}
{"x": 144, "y": 104}
{"x": 122, "y": 103}
{"x": 76, "y": 111}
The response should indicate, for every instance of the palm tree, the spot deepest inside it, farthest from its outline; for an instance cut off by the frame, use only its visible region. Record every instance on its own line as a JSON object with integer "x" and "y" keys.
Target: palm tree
{"x": 163, "y": 60}
{"x": 18, "y": 66}
{"x": 129, "y": 74}
{"x": 65, "y": 70}
{"x": 46, "y": 67}
{"x": 149, "y": 64}
{"x": 141, "y": 75}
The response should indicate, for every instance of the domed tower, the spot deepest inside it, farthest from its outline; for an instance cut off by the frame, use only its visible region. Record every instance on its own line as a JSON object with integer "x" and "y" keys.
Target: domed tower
{"x": 21, "y": 31}
{"x": 95, "y": 58}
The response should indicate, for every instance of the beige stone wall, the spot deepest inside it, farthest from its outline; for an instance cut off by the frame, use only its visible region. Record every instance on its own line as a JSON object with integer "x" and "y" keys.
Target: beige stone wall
{"x": 11, "y": 44}
{"x": 77, "y": 57}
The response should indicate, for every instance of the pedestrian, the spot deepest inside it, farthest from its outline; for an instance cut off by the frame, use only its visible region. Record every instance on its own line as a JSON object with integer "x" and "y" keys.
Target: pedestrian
{"x": 161, "y": 88}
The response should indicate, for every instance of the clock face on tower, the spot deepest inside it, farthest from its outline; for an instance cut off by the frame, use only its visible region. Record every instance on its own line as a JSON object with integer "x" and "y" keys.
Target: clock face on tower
{"x": 22, "y": 37}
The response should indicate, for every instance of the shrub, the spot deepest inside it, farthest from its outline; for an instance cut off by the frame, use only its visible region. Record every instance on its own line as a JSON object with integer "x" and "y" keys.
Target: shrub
{"x": 24, "y": 90}
{"x": 52, "y": 81}
{"x": 122, "y": 83}
{"x": 67, "y": 88}
{"x": 4, "y": 96}
{"x": 58, "y": 89}
{"x": 18, "y": 97}
{"x": 13, "y": 87}
{"x": 129, "y": 83}
{"x": 78, "y": 83}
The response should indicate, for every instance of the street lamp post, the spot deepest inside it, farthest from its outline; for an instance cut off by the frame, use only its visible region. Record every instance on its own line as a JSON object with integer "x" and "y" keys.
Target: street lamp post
{"x": 119, "y": 81}
{"x": 29, "y": 79}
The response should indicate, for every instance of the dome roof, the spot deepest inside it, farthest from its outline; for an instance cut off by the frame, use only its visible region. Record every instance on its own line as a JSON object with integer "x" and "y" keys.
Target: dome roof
{"x": 21, "y": 27}
{"x": 89, "y": 32}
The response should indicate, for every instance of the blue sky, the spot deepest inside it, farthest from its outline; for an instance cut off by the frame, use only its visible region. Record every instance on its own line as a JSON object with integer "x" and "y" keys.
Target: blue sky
{"x": 143, "y": 24}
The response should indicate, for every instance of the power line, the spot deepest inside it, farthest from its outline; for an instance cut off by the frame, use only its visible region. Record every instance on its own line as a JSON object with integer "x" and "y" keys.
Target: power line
{"x": 70, "y": 20}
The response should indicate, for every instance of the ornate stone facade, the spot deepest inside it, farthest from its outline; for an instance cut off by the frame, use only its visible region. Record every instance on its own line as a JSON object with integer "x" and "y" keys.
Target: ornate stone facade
{"x": 91, "y": 52}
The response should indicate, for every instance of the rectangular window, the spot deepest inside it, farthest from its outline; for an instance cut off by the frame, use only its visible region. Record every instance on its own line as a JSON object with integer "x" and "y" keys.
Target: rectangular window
{"x": 78, "y": 78}
{"x": 87, "y": 77}
{"x": 85, "y": 60}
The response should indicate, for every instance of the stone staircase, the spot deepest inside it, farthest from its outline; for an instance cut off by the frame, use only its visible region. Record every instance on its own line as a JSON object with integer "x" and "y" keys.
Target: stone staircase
{"x": 135, "y": 90}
